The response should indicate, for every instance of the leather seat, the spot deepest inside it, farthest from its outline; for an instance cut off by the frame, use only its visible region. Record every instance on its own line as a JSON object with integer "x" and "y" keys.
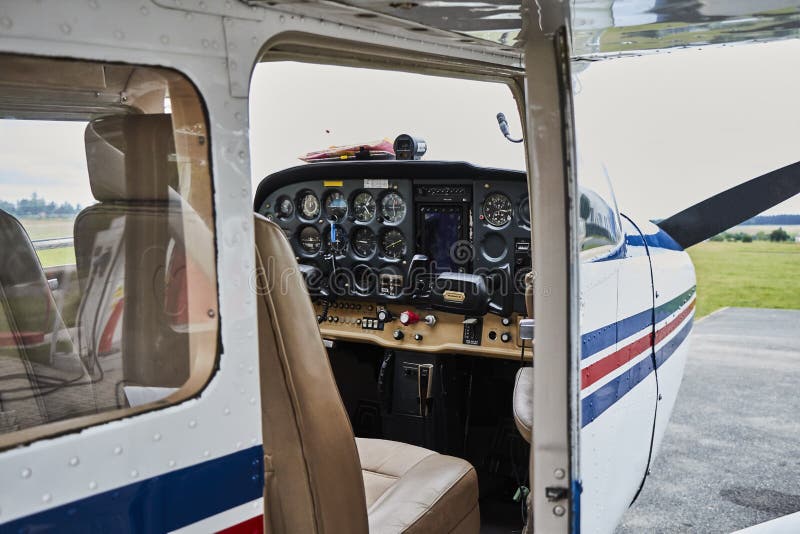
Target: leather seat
{"x": 411, "y": 489}
{"x": 131, "y": 242}
{"x": 36, "y": 352}
{"x": 523, "y": 402}
{"x": 319, "y": 478}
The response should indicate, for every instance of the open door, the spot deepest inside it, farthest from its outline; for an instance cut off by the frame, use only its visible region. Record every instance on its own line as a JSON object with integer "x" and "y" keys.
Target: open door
{"x": 555, "y": 473}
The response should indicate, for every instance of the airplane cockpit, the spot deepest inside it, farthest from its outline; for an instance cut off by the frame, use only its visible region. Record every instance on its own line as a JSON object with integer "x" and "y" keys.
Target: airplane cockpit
{"x": 417, "y": 273}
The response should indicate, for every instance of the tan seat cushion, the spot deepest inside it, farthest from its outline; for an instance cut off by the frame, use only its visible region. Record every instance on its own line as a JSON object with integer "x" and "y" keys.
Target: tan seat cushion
{"x": 411, "y": 489}
{"x": 523, "y": 402}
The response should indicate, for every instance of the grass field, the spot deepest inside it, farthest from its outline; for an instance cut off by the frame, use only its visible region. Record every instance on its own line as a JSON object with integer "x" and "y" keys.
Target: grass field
{"x": 756, "y": 275}
{"x": 50, "y": 229}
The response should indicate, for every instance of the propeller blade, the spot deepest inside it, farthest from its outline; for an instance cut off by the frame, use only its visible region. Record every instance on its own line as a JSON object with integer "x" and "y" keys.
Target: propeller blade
{"x": 734, "y": 206}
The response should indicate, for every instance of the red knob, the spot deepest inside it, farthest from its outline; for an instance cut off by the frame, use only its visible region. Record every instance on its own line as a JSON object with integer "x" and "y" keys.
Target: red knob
{"x": 408, "y": 317}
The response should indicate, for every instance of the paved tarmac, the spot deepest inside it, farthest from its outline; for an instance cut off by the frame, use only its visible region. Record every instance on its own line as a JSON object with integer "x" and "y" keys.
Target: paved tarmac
{"x": 731, "y": 455}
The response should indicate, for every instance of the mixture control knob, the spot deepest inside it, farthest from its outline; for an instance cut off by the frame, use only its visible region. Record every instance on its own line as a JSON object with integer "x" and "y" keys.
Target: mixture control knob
{"x": 409, "y": 317}
{"x": 397, "y": 334}
{"x": 505, "y": 337}
{"x": 384, "y": 315}
{"x": 430, "y": 320}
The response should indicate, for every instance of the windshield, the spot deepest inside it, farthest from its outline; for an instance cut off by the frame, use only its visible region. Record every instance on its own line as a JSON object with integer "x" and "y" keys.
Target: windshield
{"x": 296, "y": 108}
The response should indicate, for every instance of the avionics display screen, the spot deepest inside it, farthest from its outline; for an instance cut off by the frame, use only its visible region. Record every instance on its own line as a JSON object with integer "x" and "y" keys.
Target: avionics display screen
{"x": 441, "y": 231}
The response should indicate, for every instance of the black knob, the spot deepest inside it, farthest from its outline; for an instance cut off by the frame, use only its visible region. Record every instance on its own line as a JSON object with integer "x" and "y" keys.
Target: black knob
{"x": 384, "y": 316}
{"x": 398, "y": 334}
{"x": 506, "y": 321}
{"x": 505, "y": 337}
{"x": 418, "y": 337}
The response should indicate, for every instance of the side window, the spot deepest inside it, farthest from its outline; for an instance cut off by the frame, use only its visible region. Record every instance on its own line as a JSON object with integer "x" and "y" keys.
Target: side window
{"x": 599, "y": 232}
{"x": 108, "y": 297}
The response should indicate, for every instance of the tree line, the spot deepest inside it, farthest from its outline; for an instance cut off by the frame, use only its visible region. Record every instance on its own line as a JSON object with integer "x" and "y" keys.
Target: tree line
{"x": 777, "y": 235}
{"x": 37, "y": 206}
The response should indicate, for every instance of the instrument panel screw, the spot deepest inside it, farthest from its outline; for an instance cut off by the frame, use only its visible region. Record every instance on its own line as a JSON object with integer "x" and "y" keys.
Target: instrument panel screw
{"x": 211, "y": 313}
{"x": 559, "y": 473}
{"x": 559, "y": 510}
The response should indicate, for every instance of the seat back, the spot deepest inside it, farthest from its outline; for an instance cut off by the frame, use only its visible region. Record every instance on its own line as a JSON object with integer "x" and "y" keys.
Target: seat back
{"x": 36, "y": 353}
{"x": 313, "y": 475}
{"x": 126, "y": 249}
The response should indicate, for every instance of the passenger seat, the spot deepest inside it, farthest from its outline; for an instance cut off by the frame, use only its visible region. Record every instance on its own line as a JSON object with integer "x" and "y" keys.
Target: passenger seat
{"x": 319, "y": 478}
{"x": 34, "y": 374}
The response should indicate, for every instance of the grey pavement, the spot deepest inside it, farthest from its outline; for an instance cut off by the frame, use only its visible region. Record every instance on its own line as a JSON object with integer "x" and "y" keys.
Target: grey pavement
{"x": 731, "y": 455}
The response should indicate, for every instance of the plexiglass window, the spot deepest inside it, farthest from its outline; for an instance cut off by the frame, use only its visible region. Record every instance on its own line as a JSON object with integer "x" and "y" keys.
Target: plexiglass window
{"x": 108, "y": 301}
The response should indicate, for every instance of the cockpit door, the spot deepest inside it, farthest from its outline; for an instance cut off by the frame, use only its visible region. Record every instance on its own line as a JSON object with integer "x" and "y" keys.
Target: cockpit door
{"x": 554, "y": 465}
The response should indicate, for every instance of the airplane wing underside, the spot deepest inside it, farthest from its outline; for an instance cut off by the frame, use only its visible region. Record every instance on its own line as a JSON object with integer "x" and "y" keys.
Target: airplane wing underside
{"x": 600, "y": 28}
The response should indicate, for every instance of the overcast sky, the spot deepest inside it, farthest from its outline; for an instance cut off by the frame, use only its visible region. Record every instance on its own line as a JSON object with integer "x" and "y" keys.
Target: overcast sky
{"x": 671, "y": 129}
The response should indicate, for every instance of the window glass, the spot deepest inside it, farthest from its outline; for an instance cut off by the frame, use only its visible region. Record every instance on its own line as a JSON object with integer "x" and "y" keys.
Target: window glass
{"x": 599, "y": 232}
{"x": 107, "y": 278}
{"x": 326, "y": 105}
{"x": 45, "y": 206}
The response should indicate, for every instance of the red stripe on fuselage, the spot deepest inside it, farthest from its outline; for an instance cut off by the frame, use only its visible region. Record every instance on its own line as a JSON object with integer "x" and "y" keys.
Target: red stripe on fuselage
{"x": 602, "y": 368}
{"x": 254, "y": 525}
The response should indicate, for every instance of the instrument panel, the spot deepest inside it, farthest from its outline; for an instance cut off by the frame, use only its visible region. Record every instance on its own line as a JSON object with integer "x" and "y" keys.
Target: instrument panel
{"x": 425, "y": 233}
{"x": 420, "y": 255}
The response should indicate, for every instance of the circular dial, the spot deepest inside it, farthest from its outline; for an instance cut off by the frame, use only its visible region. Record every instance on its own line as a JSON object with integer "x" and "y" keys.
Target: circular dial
{"x": 364, "y": 278}
{"x": 308, "y": 204}
{"x": 393, "y": 244}
{"x": 335, "y": 206}
{"x": 497, "y": 209}
{"x": 393, "y": 208}
{"x": 363, "y": 241}
{"x": 336, "y": 240}
{"x": 525, "y": 210}
{"x": 364, "y": 207}
{"x": 284, "y": 208}
{"x": 310, "y": 240}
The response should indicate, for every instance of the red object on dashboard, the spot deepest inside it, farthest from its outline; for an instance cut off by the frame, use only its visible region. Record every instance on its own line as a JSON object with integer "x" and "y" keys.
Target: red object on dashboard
{"x": 409, "y": 317}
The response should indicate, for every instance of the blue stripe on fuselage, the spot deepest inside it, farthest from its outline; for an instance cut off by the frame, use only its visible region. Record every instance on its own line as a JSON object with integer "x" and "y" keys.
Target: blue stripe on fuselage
{"x": 159, "y": 504}
{"x": 602, "y": 338}
{"x": 658, "y": 240}
{"x": 603, "y": 398}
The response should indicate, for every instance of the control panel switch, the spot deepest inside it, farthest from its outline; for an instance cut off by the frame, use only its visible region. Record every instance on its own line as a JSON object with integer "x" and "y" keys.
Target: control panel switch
{"x": 430, "y": 320}
{"x": 398, "y": 334}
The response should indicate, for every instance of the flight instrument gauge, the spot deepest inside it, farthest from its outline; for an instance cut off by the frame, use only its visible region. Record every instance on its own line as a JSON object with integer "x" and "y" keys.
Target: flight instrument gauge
{"x": 363, "y": 241}
{"x": 364, "y": 207}
{"x": 336, "y": 240}
{"x": 308, "y": 204}
{"x": 393, "y": 244}
{"x": 393, "y": 208}
{"x": 284, "y": 208}
{"x": 335, "y": 206}
{"x": 310, "y": 240}
{"x": 497, "y": 209}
